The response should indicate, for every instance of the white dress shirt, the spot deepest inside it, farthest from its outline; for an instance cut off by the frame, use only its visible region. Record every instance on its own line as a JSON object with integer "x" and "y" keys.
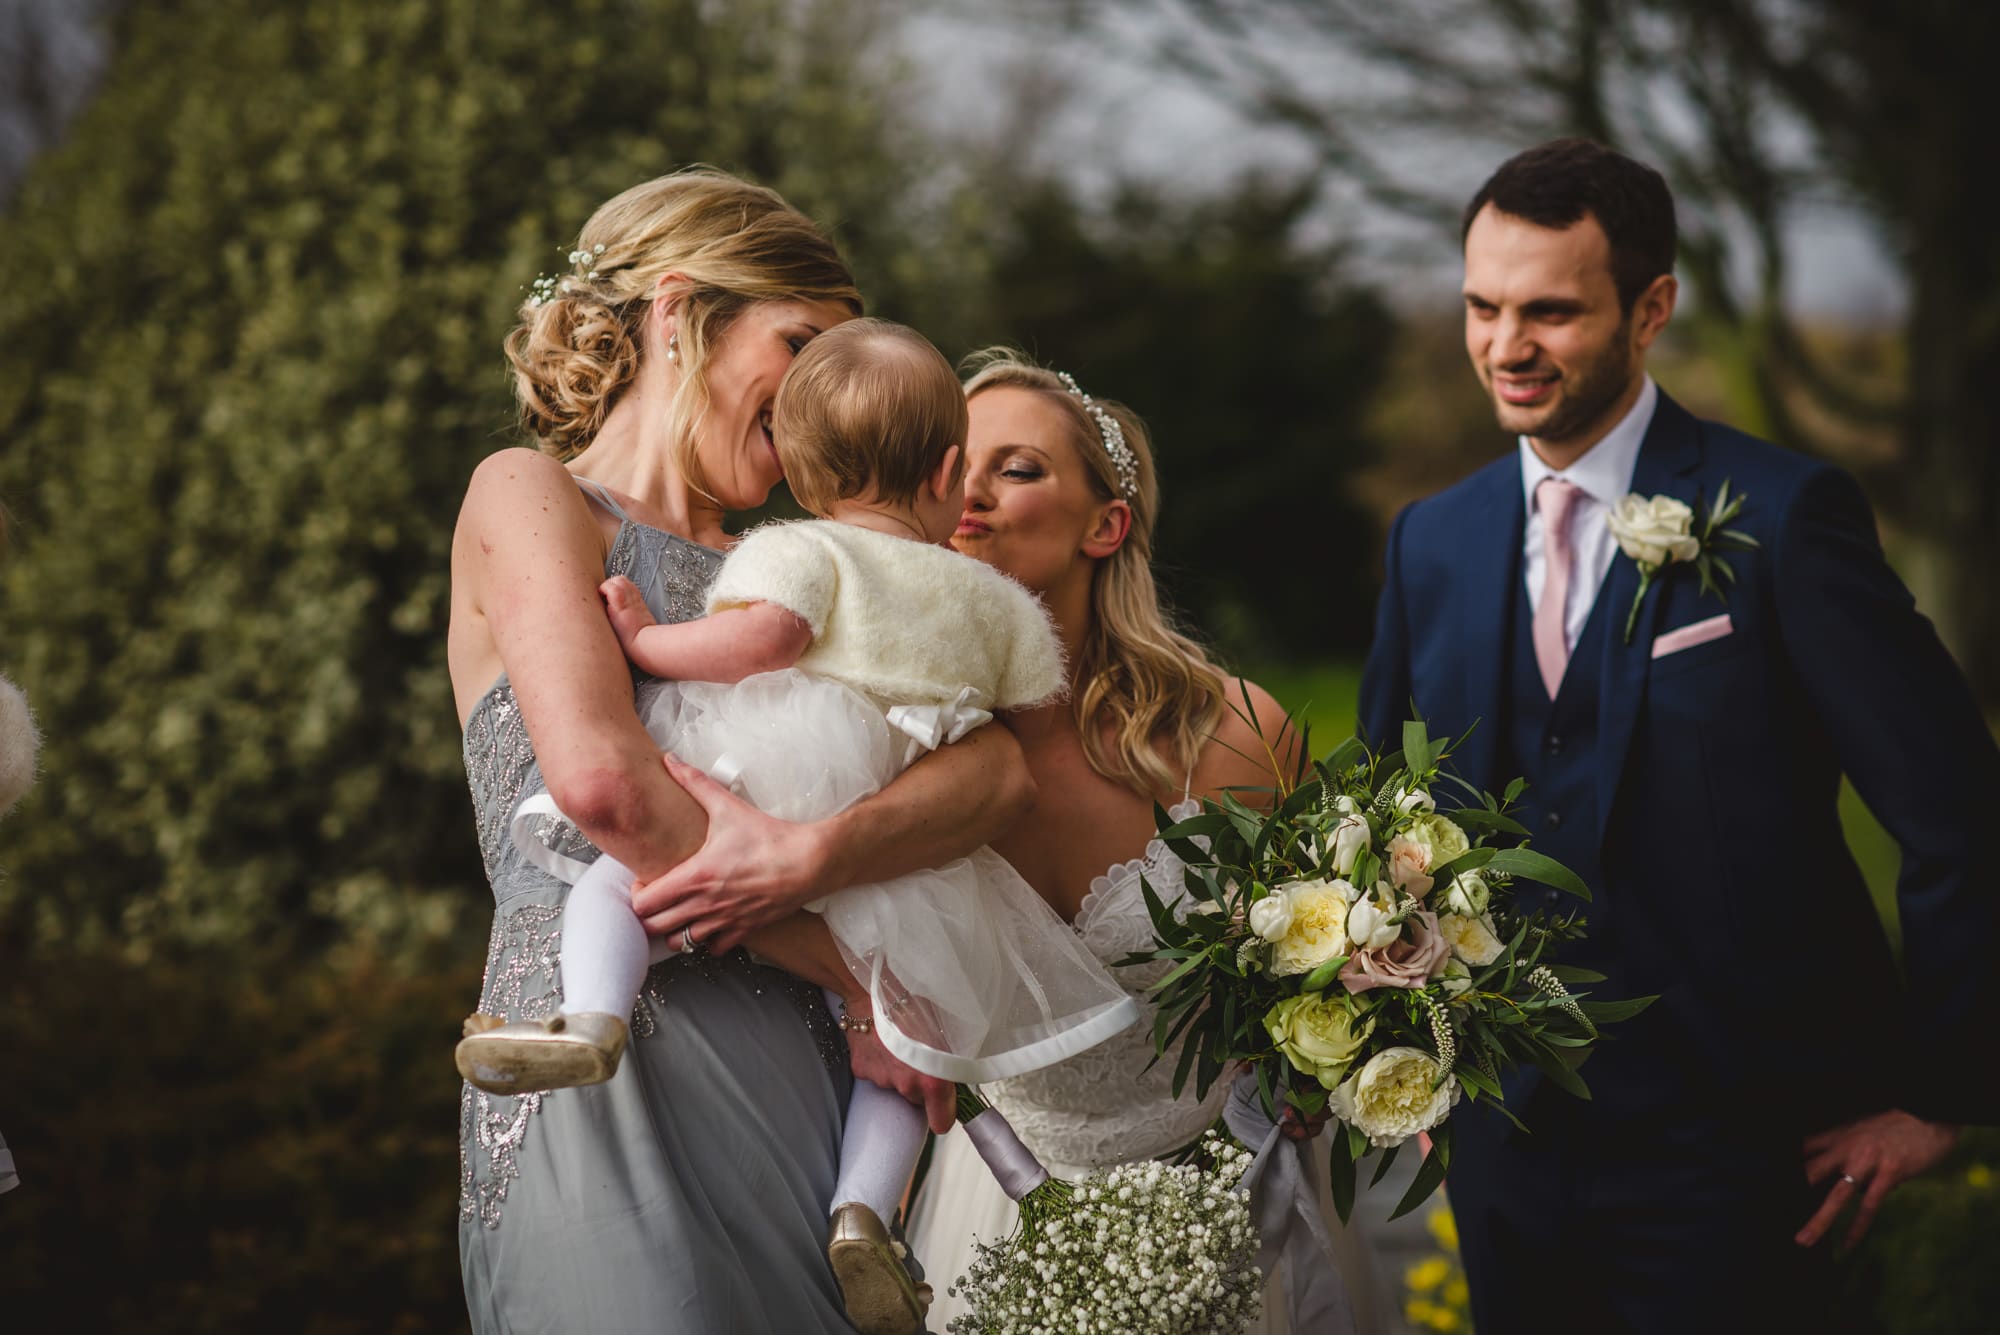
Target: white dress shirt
{"x": 1604, "y": 475}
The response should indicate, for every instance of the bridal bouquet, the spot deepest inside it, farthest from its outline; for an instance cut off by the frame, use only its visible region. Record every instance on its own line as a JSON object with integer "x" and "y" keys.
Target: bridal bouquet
{"x": 1361, "y": 950}
{"x": 1144, "y": 1248}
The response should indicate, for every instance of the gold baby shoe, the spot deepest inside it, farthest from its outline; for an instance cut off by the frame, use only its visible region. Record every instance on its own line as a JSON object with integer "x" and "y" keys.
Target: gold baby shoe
{"x": 528, "y": 1055}
{"x": 876, "y": 1287}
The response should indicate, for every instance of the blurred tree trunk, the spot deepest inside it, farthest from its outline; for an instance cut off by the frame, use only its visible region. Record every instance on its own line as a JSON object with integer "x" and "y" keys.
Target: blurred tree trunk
{"x": 1757, "y": 111}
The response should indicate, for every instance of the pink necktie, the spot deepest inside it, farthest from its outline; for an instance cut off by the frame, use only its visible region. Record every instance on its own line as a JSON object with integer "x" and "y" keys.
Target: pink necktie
{"x": 1555, "y": 499}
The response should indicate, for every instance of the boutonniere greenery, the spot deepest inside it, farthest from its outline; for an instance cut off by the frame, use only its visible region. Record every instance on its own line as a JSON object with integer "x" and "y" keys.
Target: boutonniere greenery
{"x": 1662, "y": 531}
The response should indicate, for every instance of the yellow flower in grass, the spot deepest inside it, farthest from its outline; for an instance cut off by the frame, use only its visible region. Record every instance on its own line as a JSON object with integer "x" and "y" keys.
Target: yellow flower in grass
{"x": 1429, "y": 1273}
{"x": 1443, "y": 1228}
{"x": 1979, "y": 1176}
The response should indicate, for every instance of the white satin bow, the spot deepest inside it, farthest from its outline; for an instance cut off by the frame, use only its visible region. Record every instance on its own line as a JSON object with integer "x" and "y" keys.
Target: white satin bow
{"x": 931, "y": 726}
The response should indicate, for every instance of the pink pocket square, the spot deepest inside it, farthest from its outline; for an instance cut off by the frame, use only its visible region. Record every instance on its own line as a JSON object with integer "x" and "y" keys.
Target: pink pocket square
{"x": 1687, "y": 637}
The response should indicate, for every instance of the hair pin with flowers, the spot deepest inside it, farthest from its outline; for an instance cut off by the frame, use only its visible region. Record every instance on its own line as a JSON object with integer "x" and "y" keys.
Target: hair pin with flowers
{"x": 548, "y": 286}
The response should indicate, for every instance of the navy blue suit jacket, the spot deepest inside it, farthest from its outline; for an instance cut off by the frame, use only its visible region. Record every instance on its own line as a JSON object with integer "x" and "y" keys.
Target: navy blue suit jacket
{"x": 1717, "y": 769}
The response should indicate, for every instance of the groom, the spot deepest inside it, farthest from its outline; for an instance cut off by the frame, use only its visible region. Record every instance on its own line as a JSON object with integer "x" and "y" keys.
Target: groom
{"x": 1688, "y": 771}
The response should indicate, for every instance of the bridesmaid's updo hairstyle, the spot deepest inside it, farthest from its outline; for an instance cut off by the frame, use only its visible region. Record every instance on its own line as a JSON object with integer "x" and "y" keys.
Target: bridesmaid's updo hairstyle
{"x": 581, "y": 333}
{"x": 1141, "y": 684}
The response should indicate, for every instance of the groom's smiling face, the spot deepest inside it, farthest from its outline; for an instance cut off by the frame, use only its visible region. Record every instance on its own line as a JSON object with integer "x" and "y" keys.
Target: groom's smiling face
{"x": 1545, "y": 330}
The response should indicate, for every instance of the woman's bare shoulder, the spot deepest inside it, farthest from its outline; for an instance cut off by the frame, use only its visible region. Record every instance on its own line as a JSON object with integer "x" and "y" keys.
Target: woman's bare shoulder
{"x": 1252, "y": 744}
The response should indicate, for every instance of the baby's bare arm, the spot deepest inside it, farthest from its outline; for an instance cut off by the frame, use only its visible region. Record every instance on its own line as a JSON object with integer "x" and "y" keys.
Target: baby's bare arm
{"x": 724, "y": 646}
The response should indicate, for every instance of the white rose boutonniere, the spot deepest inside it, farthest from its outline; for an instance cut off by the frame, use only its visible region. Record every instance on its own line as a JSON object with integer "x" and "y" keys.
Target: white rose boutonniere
{"x": 1661, "y": 531}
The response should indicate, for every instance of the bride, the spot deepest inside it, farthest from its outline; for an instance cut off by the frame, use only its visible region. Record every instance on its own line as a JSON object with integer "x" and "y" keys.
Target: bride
{"x": 1060, "y": 493}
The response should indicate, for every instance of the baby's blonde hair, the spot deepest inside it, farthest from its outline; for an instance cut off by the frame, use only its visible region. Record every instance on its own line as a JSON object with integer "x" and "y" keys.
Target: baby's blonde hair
{"x": 578, "y": 343}
{"x": 1139, "y": 681}
{"x": 868, "y": 408}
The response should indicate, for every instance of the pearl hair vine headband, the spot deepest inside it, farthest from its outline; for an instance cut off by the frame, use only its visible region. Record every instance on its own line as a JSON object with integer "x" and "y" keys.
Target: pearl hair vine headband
{"x": 1123, "y": 462}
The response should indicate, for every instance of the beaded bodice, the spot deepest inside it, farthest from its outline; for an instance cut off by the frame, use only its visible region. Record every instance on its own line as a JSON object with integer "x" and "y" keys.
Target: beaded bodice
{"x": 524, "y": 953}
{"x": 1107, "y": 1105}
{"x": 674, "y": 575}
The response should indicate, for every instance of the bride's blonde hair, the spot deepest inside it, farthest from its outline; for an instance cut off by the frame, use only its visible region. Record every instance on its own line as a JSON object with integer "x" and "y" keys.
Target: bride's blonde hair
{"x": 1140, "y": 683}
{"x": 578, "y": 342}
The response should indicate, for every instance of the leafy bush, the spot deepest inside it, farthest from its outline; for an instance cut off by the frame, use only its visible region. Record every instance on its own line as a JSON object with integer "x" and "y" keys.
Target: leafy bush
{"x": 249, "y": 354}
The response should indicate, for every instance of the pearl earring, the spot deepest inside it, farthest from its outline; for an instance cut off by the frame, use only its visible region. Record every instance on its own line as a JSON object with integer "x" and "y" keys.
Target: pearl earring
{"x": 674, "y": 346}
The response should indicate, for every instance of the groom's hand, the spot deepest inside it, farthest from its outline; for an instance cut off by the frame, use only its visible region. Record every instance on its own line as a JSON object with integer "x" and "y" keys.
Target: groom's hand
{"x": 1869, "y": 1158}
{"x": 750, "y": 871}
{"x": 874, "y": 1063}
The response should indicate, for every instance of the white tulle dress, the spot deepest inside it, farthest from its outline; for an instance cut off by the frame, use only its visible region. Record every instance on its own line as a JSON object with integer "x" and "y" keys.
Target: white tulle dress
{"x": 1111, "y": 1105}
{"x": 973, "y": 976}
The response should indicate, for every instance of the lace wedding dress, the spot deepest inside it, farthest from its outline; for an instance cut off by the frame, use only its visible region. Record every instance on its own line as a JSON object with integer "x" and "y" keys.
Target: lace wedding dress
{"x": 1112, "y": 1104}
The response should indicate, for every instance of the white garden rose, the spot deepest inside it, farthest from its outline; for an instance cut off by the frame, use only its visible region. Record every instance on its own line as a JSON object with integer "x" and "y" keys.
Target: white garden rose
{"x": 1473, "y": 940}
{"x": 1414, "y": 799}
{"x": 1391, "y": 1099}
{"x": 1368, "y": 925}
{"x": 1656, "y": 531}
{"x": 1349, "y": 838}
{"x": 1271, "y": 916}
{"x": 1317, "y": 931}
{"x": 1469, "y": 894}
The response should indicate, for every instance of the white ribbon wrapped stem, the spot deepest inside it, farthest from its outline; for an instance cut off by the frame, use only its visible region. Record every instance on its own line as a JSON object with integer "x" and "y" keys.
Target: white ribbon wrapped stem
{"x": 1014, "y": 1165}
{"x": 1285, "y": 1206}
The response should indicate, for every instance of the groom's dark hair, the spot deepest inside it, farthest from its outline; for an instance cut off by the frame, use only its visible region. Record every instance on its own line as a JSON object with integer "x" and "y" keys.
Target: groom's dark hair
{"x": 1557, "y": 183}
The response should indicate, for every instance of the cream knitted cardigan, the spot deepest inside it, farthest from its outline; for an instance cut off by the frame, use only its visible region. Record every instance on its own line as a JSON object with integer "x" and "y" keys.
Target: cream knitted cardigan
{"x": 901, "y": 621}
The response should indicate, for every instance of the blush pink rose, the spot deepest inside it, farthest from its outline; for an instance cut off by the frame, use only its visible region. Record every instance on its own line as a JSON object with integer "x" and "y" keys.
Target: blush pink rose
{"x": 1410, "y": 865}
{"x": 1411, "y": 960}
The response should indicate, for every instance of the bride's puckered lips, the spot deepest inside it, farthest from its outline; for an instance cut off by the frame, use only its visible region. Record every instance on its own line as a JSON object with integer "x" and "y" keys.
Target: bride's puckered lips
{"x": 970, "y": 526}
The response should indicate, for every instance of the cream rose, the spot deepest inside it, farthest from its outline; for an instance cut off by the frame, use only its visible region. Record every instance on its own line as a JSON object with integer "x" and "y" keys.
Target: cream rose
{"x": 1271, "y": 916}
{"x": 1368, "y": 921}
{"x": 1469, "y": 894}
{"x": 1317, "y": 931}
{"x": 1391, "y": 1098}
{"x": 1656, "y": 531}
{"x": 1349, "y": 838}
{"x": 1415, "y": 956}
{"x": 1473, "y": 939}
{"x": 1318, "y": 1036}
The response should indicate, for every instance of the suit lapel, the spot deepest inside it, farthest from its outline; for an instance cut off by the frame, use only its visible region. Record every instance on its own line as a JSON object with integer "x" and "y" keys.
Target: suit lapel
{"x": 1667, "y": 458}
{"x": 1493, "y": 554}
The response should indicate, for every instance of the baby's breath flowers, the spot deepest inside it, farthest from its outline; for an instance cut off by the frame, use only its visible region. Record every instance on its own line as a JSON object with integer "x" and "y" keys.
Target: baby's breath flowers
{"x": 1144, "y": 1248}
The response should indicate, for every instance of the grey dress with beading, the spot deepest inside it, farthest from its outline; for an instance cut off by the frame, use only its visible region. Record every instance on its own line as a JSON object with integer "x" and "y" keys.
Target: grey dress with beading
{"x": 690, "y": 1193}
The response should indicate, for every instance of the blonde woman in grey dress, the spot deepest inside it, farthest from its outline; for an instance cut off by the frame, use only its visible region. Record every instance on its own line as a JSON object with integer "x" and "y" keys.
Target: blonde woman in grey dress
{"x": 689, "y": 1194}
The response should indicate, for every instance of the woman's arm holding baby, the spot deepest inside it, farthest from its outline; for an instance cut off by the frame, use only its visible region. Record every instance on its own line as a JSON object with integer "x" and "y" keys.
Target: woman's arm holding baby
{"x": 755, "y": 869}
{"x": 724, "y": 646}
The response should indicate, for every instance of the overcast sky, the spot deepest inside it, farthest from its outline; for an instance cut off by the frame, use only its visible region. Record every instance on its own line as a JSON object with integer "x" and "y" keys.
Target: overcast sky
{"x": 1098, "y": 111}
